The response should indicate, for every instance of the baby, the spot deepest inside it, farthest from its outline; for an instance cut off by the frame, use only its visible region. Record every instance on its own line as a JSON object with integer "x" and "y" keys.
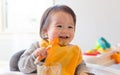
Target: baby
{"x": 57, "y": 21}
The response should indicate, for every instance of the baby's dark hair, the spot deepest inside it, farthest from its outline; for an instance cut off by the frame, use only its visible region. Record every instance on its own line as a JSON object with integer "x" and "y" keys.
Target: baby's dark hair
{"x": 45, "y": 20}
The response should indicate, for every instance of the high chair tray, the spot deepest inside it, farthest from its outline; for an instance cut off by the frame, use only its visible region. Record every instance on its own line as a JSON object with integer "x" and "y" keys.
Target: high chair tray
{"x": 102, "y": 70}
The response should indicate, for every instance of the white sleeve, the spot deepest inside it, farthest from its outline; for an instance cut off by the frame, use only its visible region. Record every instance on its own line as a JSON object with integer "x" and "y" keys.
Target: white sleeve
{"x": 26, "y": 61}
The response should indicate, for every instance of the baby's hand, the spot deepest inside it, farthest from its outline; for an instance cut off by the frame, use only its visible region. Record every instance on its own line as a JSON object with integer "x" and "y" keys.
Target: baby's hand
{"x": 86, "y": 73}
{"x": 83, "y": 73}
{"x": 40, "y": 52}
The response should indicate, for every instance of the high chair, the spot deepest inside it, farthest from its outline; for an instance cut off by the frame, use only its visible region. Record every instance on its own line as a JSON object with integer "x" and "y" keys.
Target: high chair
{"x": 13, "y": 64}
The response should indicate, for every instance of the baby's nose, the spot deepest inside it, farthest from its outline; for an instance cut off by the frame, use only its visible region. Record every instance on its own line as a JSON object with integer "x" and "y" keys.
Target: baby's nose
{"x": 64, "y": 30}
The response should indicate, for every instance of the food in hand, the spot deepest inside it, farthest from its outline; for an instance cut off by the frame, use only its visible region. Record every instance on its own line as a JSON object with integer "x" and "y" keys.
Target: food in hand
{"x": 48, "y": 45}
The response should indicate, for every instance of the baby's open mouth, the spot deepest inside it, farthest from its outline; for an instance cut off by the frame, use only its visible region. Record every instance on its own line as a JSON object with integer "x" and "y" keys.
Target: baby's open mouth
{"x": 63, "y": 40}
{"x": 63, "y": 37}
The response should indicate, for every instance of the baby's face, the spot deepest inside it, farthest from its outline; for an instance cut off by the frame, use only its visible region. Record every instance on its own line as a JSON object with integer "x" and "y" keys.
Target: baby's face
{"x": 61, "y": 26}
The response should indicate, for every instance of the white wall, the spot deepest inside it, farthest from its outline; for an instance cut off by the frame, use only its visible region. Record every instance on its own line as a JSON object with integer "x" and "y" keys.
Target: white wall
{"x": 13, "y": 42}
{"x": 95, "y": 18}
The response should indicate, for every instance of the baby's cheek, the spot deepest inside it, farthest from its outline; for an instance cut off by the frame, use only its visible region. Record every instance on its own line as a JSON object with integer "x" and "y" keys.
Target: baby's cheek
{"x": 51, "y": 36}
{"x": 71, "y": 35}
{"x": 55, "y": 34}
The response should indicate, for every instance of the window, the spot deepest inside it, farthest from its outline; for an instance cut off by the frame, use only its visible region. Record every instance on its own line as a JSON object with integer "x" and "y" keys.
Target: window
{"x": 22, "y": 15}
{"x": 1, "y": 18}
{"x": 19, "y": 24}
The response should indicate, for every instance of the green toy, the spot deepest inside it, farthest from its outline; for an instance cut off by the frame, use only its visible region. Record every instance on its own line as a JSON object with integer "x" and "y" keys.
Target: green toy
{"x": 102, "y": 43}
{"x": 101, "y": 46}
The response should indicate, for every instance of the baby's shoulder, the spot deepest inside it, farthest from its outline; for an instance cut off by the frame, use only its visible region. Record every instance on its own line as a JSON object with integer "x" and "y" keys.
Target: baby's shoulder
{"x": 35, "y": 44}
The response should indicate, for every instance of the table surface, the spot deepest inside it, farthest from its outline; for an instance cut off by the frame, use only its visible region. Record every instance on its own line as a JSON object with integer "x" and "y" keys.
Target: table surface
{"x": 96, "y": 69}
{"x": 15, "y": 73}
{"x": 5, "y": 71}
{"x": 102, "y": 70}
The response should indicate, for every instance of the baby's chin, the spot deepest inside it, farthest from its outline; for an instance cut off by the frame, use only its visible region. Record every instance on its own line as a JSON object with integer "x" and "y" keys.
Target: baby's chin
{"x": 63, "y": 43}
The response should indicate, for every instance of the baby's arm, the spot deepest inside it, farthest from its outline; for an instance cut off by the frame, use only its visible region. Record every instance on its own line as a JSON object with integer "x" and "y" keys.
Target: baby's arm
{"x": 82, "y": 69}
{"x": 26, "y": 61}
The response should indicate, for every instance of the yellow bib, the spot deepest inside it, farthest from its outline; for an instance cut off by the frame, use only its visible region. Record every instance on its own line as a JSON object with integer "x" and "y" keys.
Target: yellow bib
{"x": 68, "y": 56}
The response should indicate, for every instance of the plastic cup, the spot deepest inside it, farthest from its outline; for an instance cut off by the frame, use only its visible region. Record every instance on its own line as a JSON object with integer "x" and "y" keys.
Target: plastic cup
{"x": 55, "y": 69}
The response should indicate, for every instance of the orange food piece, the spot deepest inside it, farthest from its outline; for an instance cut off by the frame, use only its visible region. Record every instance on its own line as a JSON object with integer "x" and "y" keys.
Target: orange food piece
{"x": 116, "y": 57}
{"x": 44, "y": 43}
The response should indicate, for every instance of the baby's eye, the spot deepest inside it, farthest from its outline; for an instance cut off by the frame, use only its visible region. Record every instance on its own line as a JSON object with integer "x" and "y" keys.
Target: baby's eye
{"x": 60, "y": 26}
{"x": 70, "y": 27}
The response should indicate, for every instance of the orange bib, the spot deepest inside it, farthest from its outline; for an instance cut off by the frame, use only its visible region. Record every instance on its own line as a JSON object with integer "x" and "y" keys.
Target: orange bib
{"x": 68, "y": 56}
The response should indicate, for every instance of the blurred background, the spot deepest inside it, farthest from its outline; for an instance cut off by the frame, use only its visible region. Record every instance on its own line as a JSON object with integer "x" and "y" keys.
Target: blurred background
{"x": 20, "y": 19}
